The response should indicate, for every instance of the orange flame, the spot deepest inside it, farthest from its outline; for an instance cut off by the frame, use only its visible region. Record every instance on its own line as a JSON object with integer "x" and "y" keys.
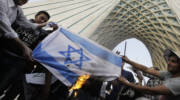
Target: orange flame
{"x": 79, "y": 83}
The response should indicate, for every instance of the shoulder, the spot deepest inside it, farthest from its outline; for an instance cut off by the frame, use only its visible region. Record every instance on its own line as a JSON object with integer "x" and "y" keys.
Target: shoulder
{"x": 19, "y": 8}
{"x": 164, "y": 74}
{"x": 3, "y": 4}
{"x": 20, "y": 11}
{"x": 173, "y": 85}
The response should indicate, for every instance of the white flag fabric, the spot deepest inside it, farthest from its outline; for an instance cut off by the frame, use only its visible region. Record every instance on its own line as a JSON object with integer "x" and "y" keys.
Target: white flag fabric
{"x": 38, "y": 78}
{"x": 68, "y": 56}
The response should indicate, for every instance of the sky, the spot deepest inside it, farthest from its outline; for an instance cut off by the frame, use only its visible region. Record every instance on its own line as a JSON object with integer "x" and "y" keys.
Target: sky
{"x": 136, "y": 51}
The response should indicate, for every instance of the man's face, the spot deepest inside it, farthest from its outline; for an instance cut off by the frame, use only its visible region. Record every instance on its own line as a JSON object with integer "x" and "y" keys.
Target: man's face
{"x": 41, "y": 18}
{"x": 173, "y": 65}
{"x": 20, "y": 2}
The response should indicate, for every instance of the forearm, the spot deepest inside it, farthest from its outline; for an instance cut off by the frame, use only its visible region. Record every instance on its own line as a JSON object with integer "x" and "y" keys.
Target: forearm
{"x": 18, "y": 43}
{"x": 143, "y": 68}
{"x": 138, "y": 66}
{"x": 15, "y": 42}
{"x": 47, "y": 86}
{"x": 17, "y": 46}
{"x": 150, "y": 90}
{"x": 48, "y": 79}
{"x": 23, "y": 21}
{"x": 143, "y": 89}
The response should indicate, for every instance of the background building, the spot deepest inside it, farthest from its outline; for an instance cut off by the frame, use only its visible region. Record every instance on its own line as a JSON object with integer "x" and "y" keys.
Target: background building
{"x": 108, "y": 22}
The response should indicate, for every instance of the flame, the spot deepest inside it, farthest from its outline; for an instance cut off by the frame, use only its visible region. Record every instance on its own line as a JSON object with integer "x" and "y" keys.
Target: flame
{"x": 79, "y": 83}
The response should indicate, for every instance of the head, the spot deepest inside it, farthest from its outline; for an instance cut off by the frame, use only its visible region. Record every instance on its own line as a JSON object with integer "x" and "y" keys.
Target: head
{"x": 173, "y": 61}
{"x": 41, "y": 17}
{"x": 20, "y": 2}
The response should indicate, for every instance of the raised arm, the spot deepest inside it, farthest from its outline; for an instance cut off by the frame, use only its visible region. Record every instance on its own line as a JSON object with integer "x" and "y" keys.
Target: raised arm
{"x": 23, "y": 21}
{"x": 161, "y": 89}
{"x": 141, "y": 67}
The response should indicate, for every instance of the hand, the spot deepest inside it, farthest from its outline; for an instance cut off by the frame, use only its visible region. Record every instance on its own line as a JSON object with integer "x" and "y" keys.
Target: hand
{"x": 54, "y": 26}
{"x": 123, "y": 80}
{"x": 27, "y": 53}
{"x": 124, "y": 58}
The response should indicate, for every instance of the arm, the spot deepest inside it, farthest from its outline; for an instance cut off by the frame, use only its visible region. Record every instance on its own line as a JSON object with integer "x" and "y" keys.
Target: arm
{"x": 23, "y": 21}
{"x": 26, "y": 51}
{"x": 5, "y": 24}
{"x": 161, "y": 89}
{"x": 141, "y": 67}
{"x": 46, "y": 89}
{"x": 9, "y": 34}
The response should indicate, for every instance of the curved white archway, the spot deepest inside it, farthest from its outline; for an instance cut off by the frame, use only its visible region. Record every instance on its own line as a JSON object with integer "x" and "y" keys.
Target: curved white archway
{"x": 109, "y": 22}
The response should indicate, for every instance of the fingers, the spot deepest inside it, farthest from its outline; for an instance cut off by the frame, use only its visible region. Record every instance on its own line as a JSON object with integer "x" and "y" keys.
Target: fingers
{"x": 125, "y": 59}
{"x": 28, "y": 54}
{"x": 55, "y": 27}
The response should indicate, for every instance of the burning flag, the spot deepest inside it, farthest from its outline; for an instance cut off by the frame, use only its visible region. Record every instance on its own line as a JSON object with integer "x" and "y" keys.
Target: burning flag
{"x": 79, "y": 83}
{"x": 68, "y": 56}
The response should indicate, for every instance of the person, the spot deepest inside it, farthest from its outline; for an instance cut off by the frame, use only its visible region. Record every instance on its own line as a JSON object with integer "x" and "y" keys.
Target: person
{"x": 170, "y": 89}
{"x": 121, "y": 91}
{"x": 39, "y": 92}
{"x": 152, "y": 82}
{"x": 28, "y": 36}
{"x": 14, "y": 54}
{"x": 139, "y": 95}
{"x": 31, "y": 39}
{"x": 42, "y": 17}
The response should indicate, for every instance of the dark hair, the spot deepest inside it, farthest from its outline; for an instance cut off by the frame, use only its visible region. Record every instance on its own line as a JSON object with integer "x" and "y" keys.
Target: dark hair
{"x": 43, "y": 12}
{"x": 174, "y": 55}
{"x": 18, "y": 3}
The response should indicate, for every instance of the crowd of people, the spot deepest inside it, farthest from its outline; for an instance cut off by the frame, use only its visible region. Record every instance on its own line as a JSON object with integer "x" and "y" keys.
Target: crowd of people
{"x": 19, "y": 36}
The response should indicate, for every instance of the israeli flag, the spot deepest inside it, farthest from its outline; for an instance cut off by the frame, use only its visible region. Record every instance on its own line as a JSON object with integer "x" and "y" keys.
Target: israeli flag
{"x": 68, "y": 56}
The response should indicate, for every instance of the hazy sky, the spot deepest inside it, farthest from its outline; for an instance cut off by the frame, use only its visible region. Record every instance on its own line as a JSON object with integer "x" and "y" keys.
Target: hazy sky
{"x": 136, "y": 51}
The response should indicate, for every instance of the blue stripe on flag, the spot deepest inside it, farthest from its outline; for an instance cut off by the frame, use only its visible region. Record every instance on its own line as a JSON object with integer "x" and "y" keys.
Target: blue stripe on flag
{"x": 47, "y": 59}
{"x": 100, "y": 52}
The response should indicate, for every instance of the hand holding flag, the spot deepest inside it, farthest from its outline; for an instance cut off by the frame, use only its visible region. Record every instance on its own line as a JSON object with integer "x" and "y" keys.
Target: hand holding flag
{"x": 68, "y": 56}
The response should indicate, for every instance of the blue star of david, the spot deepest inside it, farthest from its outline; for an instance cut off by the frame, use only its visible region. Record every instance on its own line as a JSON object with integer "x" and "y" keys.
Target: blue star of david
{"x": 69, "y": 60}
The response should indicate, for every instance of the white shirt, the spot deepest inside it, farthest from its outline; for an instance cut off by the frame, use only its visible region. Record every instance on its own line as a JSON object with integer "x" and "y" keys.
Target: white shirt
{"x": 9, "y": 14}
